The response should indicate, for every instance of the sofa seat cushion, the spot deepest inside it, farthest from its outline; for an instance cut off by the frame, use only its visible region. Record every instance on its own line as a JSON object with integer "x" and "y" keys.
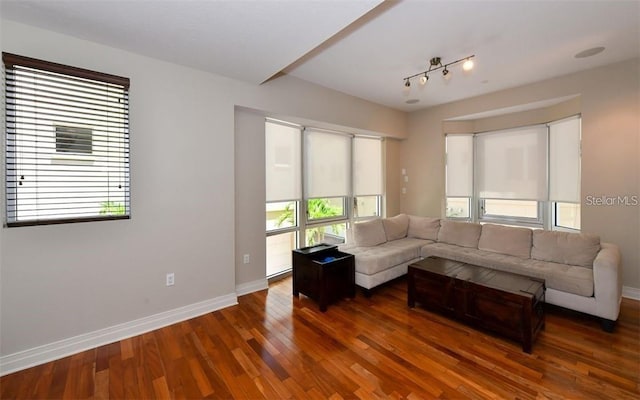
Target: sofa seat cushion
{"x": 396, "y": 227}
{"x": 565, "y": 247}
{"x": 423, "y": 227}
{"x": 463, "y": 234}
{"x": 562, "y": 277}
{"x": 371, "y": 260}
{"x": 369, "y": 233}
{"x": 507, "y": 240}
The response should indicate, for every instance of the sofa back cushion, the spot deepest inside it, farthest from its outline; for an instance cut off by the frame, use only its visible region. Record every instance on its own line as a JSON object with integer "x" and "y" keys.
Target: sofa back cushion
{"x": 369, "y": 233}
{"x": 463, "y": 234}
{"x": 565, "y": 247}
{"x": 423, "y": 227}
{"x": 396, "y": 227}
{"x": 506, "y": 240}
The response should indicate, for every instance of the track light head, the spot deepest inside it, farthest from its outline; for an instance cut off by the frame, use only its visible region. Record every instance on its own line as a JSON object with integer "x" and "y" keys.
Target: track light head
{"x": 468, "y": 65}
{"x": 446, "y": 74}
{"x": 407, "y": 83}
{"x": 424, "y": 79}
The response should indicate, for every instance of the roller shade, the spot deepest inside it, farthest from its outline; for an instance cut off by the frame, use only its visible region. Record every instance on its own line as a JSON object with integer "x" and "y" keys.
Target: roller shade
{"x": 282, "y": 162}
{"x": 512, "y": 164}
{"x": 367, "y": 166}
{"x": 459, "y": 169}
{"x": 564, "y": 161}
{"x": 327, "y": 158}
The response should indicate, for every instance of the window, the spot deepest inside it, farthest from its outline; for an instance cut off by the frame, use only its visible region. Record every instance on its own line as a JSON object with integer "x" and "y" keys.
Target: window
{"x": 566, "y": 216}
{"x": 74, "y": 140}
{"x": 279, "y": 249}
{"x": 327, "y": 208}
{"x": 511, "y": 170}
{"x": 67, "y": 143}
{"x": 458, "y": 207}
{"x": 342, "y": 180}
{"x": 564, "y": 173}
{"x": 523, "y": 212}
{"x": 283, "y": 168}
{"x": 527, "y": 176}
{"x": 282, "y": 215}
{"x": 367, "y": 206}
{"x": 367, "y": 177}
{"x": 326, "y": 174}
{"x": 459, "y": 176}
{"x": 330, "y": 234}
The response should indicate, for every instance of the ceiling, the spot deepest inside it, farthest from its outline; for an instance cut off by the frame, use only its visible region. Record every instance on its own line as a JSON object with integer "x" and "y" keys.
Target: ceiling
{"x": 360, "y": 47}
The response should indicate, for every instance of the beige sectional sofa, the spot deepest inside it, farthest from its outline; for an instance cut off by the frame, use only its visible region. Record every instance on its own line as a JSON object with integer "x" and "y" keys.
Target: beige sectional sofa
{"x": 581, "y": 273}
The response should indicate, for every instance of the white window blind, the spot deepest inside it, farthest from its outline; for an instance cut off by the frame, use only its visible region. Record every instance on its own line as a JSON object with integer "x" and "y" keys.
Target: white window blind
{"x": 459, "y": 169}
{"x": 512, "y": 164}
{"x": 327, "y": 159}
{"x": 367, "y": 166}
{"x": 67, "y": 143}
{"x": 564, "y": 161}
{"x": 283, "y": 164}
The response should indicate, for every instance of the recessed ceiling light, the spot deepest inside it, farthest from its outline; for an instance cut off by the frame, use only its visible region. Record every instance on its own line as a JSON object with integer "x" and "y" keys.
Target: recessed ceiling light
{"x": 590, "y": 52}
{"x": 412, "y": 101}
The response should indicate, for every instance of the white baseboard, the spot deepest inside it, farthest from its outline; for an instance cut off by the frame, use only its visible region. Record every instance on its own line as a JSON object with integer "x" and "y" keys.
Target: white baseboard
{"x": 250, "y": 287}
{"x": 631, "y": 292}
{"x": 56, "y": 350}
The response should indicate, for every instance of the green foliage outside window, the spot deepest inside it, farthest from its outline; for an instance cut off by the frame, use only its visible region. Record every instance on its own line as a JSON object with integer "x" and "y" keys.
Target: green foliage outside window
{"x": 316, "y": 209}
{"x": 112, "y": 208}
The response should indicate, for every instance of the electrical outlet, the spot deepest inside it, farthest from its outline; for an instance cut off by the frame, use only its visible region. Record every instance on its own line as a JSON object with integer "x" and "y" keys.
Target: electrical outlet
{"x": 170, "y": 279}
{"x": 246, "y": 259}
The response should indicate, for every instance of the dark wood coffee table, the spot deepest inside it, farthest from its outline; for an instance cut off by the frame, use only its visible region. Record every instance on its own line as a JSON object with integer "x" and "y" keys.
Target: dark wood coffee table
{"x": 508, "y": 304}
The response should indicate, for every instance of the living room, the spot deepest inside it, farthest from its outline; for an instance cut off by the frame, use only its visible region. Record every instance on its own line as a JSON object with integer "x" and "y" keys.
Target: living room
{"x": 197, "y": 173}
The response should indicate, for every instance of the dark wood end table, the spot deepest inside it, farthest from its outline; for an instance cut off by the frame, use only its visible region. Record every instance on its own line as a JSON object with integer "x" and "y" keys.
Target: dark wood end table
{"x": 323, "y": 273}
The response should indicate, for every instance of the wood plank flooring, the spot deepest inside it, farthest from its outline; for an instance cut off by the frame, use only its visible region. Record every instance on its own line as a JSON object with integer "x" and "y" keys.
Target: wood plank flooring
{"x": 274, "y": 346}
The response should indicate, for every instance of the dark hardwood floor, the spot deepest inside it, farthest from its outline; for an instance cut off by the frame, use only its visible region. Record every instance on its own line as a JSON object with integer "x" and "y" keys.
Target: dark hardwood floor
{"x": 275, "y": 346}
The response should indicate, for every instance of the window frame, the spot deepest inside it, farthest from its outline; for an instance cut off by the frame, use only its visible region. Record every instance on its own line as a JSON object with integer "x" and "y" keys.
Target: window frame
{"x": 469, "y": 208}
{"x": 324, "y": 220}
{"x": 554, "y": 217}
{"x": 296, "y": 217}
{"x": 13, "y": 64}
{"x": 536, "y": 222}
{"x": 378, "y": 213}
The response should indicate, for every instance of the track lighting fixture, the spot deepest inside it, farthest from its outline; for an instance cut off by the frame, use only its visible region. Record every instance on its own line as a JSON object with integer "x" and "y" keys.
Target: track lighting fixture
{"x": 436, "y": 64}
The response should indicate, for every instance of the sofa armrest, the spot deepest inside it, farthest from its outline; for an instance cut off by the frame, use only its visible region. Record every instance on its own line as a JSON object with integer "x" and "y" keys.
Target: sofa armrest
{"x": 607, "y": 281}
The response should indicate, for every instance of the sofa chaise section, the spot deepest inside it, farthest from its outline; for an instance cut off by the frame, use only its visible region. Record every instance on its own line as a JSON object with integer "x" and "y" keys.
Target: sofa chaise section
{"x": 384, "y": 248}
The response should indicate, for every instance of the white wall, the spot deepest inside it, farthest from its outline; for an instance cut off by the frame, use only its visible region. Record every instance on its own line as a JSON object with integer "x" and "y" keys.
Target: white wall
{"x": 193, "y": 172}
{"x": 65, "y": 280}
{"x": 609, "y": 101}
